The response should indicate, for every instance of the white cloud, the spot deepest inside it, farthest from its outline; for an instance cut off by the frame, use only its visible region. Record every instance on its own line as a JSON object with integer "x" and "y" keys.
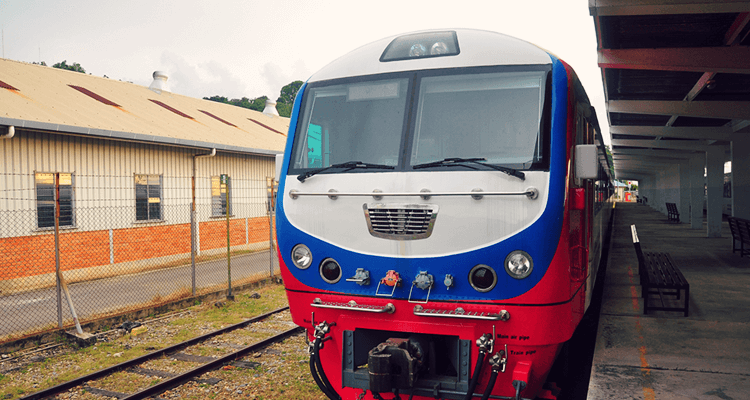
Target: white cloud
{"x": 202, "y": 79}
{"x": 274, "y": 76}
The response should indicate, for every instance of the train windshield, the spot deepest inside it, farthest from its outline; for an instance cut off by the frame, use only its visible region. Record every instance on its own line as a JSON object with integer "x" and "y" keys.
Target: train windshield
{"x": 424, "y": 118}
{"x": 492, "y": 116}
{"x": 352, "y": 122}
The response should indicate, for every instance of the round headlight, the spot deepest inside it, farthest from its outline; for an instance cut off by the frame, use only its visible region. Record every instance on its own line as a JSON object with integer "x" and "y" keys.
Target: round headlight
{"x": 330, "y": 270}
{"x": 482, "y": 278}
{"x": 417, "y": 50}
{"x": 301, "y": 256}
{"x": 519, "y": 264}
{"x": 439, "y": 48}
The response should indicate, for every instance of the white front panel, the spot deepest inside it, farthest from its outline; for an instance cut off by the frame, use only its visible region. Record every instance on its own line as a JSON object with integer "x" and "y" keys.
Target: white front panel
{"x": 478, "y": 48}
{"x": 462, "y": 223}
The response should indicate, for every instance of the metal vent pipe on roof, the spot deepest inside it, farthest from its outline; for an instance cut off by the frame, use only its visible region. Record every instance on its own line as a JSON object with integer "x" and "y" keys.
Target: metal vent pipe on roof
{"x": 160, "y": 82}
{"x": 270, "y": 109}
{"x": 9, "y": 132}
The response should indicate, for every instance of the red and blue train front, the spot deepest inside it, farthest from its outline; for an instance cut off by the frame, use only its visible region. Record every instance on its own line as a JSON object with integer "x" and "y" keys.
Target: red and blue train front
{"x": 422, "y": 222}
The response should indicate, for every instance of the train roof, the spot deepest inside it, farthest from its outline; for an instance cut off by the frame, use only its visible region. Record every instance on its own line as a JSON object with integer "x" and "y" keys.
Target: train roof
{"x": 474, "y": 48}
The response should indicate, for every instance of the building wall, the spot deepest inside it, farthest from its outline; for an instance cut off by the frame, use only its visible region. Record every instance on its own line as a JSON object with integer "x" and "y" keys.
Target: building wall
{"x": 105, "y": 231}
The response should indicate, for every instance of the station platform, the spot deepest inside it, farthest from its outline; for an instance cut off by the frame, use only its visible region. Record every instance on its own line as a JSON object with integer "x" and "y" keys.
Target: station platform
{"x": 665, "y": 355}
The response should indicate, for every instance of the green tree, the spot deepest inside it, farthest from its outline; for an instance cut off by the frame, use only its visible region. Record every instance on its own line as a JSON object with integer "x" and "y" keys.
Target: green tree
{"x": 288, "y": 93}
{"x": 218, "y": 99}
{"x": 70, "y": 67}
{"x": 286, "y": 100}
{"x": 285, "y": 110}
{"x": 257, "y": 104}
{"x": 243, "y": 102}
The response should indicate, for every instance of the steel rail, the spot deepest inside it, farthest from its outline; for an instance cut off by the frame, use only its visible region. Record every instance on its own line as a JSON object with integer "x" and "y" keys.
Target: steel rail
{"x": 139, "y": 360}
{"x": 170, "y": 383}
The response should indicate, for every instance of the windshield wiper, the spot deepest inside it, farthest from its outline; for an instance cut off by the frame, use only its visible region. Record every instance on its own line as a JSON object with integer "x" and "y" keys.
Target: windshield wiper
{"x": 349, "y": 165}
{"x": 455, "y": 162}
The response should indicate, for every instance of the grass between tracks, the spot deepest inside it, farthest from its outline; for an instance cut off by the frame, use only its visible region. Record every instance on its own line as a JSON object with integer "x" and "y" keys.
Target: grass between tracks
{"x": 282, "y": 372}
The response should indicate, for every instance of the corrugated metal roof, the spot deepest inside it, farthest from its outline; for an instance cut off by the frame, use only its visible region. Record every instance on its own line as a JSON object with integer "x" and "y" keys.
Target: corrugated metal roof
{"x": 6, "y": 86}
{"x": 94, "y": 96}
{"x": 215, "y": 117}
{"x": 45, "y": 100}
{"x": 174, "y": 110}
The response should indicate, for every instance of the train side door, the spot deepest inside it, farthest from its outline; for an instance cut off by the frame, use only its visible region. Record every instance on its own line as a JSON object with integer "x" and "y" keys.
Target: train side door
{"x": 582, "y": 197}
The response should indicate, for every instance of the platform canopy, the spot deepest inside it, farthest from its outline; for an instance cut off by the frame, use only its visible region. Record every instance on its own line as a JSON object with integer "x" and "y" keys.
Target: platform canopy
{"x": 676, "y": 77}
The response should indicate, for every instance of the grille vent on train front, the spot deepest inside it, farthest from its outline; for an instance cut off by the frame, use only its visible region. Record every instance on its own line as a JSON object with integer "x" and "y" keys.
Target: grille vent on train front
{"x": 400, "y": 221}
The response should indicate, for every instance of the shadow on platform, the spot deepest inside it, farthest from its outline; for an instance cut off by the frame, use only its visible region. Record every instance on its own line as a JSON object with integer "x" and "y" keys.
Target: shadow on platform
{"x": 664, "y": 355}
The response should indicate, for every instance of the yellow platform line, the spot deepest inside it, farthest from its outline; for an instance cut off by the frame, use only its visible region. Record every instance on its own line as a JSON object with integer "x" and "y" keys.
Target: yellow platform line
{"x": 648, "y": 391}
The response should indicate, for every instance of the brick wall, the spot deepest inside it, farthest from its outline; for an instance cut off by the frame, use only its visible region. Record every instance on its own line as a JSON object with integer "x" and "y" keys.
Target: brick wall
{"x": 213, "y": 234}
{"x": 35, "y": 255}
{"x": 150, "y": 242}
{"x": 26, "y": 256}
{"x": 82, "y": 249}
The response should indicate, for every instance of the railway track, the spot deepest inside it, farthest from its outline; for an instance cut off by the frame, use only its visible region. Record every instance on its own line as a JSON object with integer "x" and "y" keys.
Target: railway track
{"x": 180, "y": 352}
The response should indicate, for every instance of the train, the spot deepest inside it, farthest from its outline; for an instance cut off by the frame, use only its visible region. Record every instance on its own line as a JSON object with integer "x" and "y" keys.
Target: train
{"x": 442, "y": 202}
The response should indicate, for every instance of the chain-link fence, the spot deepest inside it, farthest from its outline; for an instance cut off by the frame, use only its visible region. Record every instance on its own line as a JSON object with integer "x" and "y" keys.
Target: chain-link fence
{"x": 122, "y": 243}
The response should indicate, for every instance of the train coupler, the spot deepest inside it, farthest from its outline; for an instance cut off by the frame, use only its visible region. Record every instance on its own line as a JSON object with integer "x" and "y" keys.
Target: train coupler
{"x": 394, "y": 364}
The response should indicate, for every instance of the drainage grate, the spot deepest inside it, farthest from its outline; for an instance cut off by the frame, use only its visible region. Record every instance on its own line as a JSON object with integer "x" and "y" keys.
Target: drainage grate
{"x": 400, "y": 221}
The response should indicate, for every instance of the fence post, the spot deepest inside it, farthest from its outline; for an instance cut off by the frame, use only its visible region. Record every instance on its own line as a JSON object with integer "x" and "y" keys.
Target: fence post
{"x": 192, "y": 238}
{"x": 270, "y": 242}
{"x": 57, "y": 249}
{"x": 271, "y": 208}
{"x": 225, "y": 182}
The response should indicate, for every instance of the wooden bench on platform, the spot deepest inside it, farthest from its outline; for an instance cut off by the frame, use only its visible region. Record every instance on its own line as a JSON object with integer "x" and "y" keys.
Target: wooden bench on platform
{"x": 672, "y": 214}
{"x": 659, "y": 275}
{"x": 740, "y": 233}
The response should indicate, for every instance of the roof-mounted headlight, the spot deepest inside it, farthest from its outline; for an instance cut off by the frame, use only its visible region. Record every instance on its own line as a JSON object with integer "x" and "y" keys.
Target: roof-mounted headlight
{"x": 422, "y": 45}
{"x": 439, "y": 48}
{"x": 417, "y": 50}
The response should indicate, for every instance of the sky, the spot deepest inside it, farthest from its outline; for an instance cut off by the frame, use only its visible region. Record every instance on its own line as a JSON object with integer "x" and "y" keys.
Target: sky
{"x": 252, "y": 48}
